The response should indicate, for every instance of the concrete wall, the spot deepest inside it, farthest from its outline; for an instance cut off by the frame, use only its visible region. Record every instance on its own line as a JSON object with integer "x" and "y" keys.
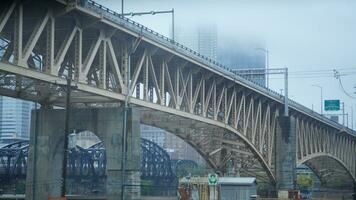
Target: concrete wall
{"x": 46, "y": 149}
{"x": 286, "y": 154}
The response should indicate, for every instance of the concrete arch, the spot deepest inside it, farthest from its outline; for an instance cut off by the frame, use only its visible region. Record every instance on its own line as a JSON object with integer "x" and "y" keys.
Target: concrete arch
{"x": 178, "y": 121}
{"x": 309, "y": 159}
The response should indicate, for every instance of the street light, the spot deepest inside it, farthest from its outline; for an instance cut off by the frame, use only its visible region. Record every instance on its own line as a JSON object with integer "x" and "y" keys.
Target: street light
{"x": 153, "y": 13}
{"x": 351, "y": 117}
{"x": 266, "y": 62}
{"x": 321, "y": 97}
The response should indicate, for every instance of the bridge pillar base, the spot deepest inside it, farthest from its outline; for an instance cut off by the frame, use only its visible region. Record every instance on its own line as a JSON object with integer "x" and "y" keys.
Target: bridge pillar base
{"x": 286, "y": 155}
{"x": 46, "y": 150}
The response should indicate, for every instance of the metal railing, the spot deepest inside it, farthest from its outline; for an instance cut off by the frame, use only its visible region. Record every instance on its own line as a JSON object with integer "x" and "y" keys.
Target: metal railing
{"x": 172, "y": 44}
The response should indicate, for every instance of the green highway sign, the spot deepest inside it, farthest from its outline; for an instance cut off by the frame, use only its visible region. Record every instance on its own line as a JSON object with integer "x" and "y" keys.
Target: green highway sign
{"x": 213, "y": 179}
{"x": 332, "y": 105}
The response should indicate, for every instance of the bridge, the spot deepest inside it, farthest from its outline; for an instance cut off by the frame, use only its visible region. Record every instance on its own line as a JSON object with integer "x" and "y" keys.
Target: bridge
{"x": 86, "y": 168}
{"x": 226, "y": 118}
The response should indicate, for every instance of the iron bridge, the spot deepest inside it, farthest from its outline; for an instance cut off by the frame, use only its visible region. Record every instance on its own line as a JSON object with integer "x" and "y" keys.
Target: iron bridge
{"x": 225, "y": 117}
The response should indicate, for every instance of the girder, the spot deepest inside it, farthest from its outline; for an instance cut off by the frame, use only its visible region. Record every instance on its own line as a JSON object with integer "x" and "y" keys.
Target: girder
{"x": 177, "y": 89}
{"x": 89, "y": 163}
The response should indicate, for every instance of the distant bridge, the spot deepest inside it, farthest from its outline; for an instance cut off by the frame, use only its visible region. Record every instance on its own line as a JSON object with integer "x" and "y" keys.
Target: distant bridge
{"x": 226, "y": 118}
{"x": 89, "y": 163}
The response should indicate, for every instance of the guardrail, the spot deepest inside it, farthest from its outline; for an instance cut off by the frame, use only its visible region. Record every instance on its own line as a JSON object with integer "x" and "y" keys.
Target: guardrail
{"x": 170, "y": 43}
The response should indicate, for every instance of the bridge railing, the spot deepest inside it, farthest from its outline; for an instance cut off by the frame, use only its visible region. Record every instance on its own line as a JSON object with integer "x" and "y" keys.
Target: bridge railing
{"x": 149, "y": 33}
{"x": 172, "y": 44}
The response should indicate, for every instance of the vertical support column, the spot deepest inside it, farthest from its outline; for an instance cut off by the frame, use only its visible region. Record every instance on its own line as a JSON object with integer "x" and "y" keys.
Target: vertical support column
{"x": 78, "y": 54}
{"x": 161, "y": 84}
{"x": 18, "y": 31}
{"x": 46, "y": 150}
{"x": 49, "y": 57}
{"x": 124, "y": 67}
{"x": 285, "y": 155}
{"x": 102, "y": 65}
{"x": 110, "y": 127}
{"x": 45, "y": 157}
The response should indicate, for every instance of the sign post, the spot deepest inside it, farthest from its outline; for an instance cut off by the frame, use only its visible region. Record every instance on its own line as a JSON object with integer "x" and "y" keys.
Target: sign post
{"x": 332, "y": 105}
{"x": 213, "y": 181}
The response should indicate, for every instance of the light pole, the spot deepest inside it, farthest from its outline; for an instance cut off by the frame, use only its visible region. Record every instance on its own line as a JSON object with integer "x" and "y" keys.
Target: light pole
{"x": 122, "y": 7}
{"x": 321, "y": 97}
{"x": 351, "y": 117}
{"x": 266, "y": 63}
{"x": 153, "y": 13}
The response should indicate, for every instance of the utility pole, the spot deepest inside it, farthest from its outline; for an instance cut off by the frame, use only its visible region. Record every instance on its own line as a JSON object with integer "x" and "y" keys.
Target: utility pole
{"x": 286, "y": 106}
{"x": 66, "y": 130}
{"x": 131, "y": 50}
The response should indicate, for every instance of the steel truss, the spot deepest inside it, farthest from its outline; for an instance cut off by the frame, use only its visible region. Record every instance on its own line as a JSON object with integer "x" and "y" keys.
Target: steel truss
{"x": 223, "y": 116}
{"x": 89, "y": 164}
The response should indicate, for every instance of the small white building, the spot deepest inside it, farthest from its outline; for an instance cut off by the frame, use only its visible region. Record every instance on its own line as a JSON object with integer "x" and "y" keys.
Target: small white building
{"x": 237, "y": 188}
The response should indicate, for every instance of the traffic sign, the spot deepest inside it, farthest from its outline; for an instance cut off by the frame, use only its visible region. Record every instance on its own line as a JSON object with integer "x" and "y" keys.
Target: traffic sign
{"x": 332, "y": 105}
{"x": 213, "y": 179}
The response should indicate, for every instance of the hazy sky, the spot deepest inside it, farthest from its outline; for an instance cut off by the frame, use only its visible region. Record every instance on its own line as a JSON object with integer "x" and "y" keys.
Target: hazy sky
{"x": 310, "y": 37}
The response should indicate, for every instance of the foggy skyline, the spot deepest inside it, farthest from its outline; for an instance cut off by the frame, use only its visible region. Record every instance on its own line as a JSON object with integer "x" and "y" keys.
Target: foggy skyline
{"x": 311, "y": 38}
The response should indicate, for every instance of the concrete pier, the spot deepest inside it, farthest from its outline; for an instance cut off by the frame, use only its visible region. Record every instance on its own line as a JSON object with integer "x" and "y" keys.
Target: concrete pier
{"x": 286, "y": 156}
{"x": 46, "y": 149}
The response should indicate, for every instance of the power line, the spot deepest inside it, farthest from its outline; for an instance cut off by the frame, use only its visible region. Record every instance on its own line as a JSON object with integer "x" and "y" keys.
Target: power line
{"x": 338, "y": 77}
{"x": 315, "y": 76}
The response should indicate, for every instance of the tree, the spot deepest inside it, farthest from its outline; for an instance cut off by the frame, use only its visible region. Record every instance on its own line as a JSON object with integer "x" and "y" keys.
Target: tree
{"x": 304, "y": 181}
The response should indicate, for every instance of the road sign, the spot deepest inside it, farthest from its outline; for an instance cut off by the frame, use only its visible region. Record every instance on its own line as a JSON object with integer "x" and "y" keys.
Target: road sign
{"x": 213, "y": 179}
{"x": 332, "y": 105}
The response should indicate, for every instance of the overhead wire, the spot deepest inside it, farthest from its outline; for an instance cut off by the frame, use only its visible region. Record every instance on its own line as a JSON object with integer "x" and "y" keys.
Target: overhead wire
{"x": 318, "y": 73}
{"x": 337, "y": 75}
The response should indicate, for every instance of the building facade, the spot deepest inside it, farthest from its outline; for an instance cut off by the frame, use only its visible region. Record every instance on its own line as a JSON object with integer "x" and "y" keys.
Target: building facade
{"x": 203, "y": 39}
{"x": 15, "y": 116}
{"x": 244, "y": 57}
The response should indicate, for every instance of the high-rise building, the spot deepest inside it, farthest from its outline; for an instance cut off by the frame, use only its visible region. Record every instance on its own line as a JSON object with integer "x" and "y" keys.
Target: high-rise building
{"x": 246, "y": 57}
{"x": 203, "y": 39}
{"x": 15, "y": 118}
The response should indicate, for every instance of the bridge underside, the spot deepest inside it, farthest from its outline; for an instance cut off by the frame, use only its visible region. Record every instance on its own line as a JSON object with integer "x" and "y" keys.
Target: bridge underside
{"x": 331, "y": 172}
{"x": 222, "y": 149}
{"x": 230, "y": 121}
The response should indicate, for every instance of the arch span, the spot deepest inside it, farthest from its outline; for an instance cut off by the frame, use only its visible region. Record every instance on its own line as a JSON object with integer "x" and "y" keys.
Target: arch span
{"x": 331, "y": 171}
{"x": 210, "y": 138}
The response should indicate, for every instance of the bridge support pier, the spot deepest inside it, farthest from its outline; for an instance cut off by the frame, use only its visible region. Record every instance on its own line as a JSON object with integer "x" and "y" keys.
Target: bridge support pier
{"x": 46, "y": 150}
{"x": 286, "y": 174}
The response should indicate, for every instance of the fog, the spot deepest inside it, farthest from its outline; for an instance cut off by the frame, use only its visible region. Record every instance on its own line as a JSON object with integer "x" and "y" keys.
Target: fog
{"x": 302, "y": 35}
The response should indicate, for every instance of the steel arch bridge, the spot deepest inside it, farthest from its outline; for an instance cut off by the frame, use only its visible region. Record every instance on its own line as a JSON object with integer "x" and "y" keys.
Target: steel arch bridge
{"x": 222, "y": 115}
{"x": 90, "y": 163}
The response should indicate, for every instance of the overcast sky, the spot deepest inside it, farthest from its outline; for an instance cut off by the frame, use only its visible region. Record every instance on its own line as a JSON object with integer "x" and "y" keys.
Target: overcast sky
{"x": 310, "y": 37}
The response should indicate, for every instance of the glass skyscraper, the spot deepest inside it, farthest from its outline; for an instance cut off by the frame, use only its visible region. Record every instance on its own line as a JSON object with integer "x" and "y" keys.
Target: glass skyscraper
{"x": 244, "y": 57}
{"x": 15, "y": 115}
{"x": 202, "y": 39}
